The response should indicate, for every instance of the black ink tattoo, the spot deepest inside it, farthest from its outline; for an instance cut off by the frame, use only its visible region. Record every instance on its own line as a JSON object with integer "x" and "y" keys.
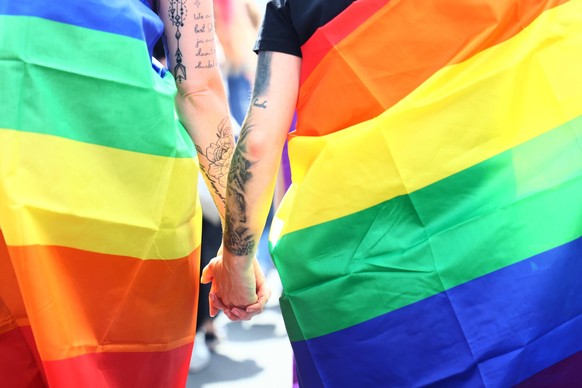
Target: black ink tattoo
{"x": 202, "y": 53}
{"x": 238, "y": 237}
{"x": 177, "y": 14}
{"x": 218, "y": 155}
{"x": 258, "y": 104}
{"x": 263, "y": 76}
{"x": 209, "y": 64}
{"x": 203, "y": 28}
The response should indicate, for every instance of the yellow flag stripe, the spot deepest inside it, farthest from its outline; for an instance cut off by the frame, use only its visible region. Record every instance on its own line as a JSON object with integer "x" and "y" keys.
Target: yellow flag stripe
{"x": 465, "y": 114}
{"x": 61, "y": 192}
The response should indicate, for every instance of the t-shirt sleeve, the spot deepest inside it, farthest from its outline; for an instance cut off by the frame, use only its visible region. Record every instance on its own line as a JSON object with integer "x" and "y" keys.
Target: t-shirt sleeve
{"x": 277, "y": 32}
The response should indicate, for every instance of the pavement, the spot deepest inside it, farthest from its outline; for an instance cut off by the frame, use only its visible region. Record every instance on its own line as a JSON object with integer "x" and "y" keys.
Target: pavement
{"x": 253, "y": 354}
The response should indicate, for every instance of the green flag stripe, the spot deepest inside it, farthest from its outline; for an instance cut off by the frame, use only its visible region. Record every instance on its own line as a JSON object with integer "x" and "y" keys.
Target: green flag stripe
{"x": 513, "y": 206}
{"x": 65, "y": 82}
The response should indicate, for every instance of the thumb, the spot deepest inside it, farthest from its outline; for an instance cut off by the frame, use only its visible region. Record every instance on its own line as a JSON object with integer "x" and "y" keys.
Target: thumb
{"x": 207, "y": 274}
{"x": 212, "y": 309}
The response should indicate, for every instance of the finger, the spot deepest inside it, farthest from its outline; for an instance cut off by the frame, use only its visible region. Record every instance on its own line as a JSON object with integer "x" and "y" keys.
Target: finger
{"x": 230, "y": 315}
{"x": 242, "y": 314}
{"x": 259, "y": 306}
{"x": 207, "y": 273}
{"x": 216, "y": 301}
{"x": 263, "y": 295}
{"x": 264, "y": 291}
{"x": 259, "y": 275}
{"x": 212, "y": 308}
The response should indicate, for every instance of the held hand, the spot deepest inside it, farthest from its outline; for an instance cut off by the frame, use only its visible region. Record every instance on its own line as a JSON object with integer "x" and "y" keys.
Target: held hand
{"x": 263, "y": 295}
{"x": 239, "y": 290}
{"x": 232, "y": 285}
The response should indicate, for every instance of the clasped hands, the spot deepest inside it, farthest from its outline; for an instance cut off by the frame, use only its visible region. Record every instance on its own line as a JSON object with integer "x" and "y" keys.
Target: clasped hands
{"x": 238, "y": 288}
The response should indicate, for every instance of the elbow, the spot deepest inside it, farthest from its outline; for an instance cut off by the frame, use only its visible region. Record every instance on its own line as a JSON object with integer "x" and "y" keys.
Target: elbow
{"x": 255, "y": 147}
{"x": 201, "y": 86}
{"x": 259, "y": 145}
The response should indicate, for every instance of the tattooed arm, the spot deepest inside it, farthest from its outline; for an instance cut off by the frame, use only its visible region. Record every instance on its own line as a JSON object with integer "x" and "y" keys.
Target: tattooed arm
{"x": 252, "y": 177}
{"x": 201, "y": 101}
{"x": 258, "y": 153}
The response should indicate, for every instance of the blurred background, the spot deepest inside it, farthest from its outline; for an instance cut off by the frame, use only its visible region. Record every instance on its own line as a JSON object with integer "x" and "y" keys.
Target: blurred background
{"x": 250, "y": 354}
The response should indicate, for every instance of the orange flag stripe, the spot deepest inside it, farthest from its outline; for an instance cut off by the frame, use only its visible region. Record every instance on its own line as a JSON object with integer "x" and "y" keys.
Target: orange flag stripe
{"x": 129, "y": 297}
{"x": 338, "y": 67}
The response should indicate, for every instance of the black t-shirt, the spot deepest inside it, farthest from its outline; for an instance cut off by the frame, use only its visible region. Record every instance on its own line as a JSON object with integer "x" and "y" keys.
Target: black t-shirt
{"x": 288, "y": 24}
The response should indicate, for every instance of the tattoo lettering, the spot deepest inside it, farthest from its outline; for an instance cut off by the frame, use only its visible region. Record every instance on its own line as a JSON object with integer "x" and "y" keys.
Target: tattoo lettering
{"x": 200, "y": 42}
{"x": 262, "y": 105}
{"x": 177, "y": 13}
{"x": 218, "y": 155}
{"x": 238, "y": 237}
{"x": 202, "y": 53}
{"x": 209, "y": 64}
{"x": 204, "y": 30}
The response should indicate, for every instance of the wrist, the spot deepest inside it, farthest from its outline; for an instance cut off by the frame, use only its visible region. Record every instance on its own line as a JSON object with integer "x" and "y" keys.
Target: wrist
{"x": 236, "y": 262}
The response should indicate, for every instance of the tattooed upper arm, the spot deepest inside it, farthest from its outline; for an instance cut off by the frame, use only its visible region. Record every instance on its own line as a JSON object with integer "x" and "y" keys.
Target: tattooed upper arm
{"x": 263, "y": 76}
{"x": 262, "y": 79}
{"x": 189, "y": 34}
{"x": 177, "y": 13}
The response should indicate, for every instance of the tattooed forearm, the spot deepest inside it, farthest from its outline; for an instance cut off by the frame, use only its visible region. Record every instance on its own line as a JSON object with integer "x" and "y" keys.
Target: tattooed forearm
{"x": 177, "y": 14}
{"x": 238, "y": 237}
{"x": 218, "y": 155}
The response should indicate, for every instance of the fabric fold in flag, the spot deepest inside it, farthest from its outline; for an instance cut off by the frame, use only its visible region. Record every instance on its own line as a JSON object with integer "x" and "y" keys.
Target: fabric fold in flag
{"x": 435, "y": 208}
{"x": 99, "y": 216}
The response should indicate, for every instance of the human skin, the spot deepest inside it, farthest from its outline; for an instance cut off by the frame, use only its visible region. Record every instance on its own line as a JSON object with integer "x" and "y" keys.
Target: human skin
{"x": 251, "y": 183}
{"x": 201, "y": 102}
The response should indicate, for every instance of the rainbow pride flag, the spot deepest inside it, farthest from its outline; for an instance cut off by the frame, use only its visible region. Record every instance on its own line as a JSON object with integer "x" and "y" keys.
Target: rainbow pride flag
{"x": 432, "y": 235}
{"x": 99, "y": 217}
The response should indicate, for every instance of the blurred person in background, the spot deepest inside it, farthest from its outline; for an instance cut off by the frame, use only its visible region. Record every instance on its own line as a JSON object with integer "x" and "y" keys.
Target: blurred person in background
{"x": 237, "y": 25}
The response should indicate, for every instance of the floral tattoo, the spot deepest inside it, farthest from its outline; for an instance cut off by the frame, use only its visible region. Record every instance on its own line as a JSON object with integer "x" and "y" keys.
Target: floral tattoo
{"x": 218, "y": 155}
